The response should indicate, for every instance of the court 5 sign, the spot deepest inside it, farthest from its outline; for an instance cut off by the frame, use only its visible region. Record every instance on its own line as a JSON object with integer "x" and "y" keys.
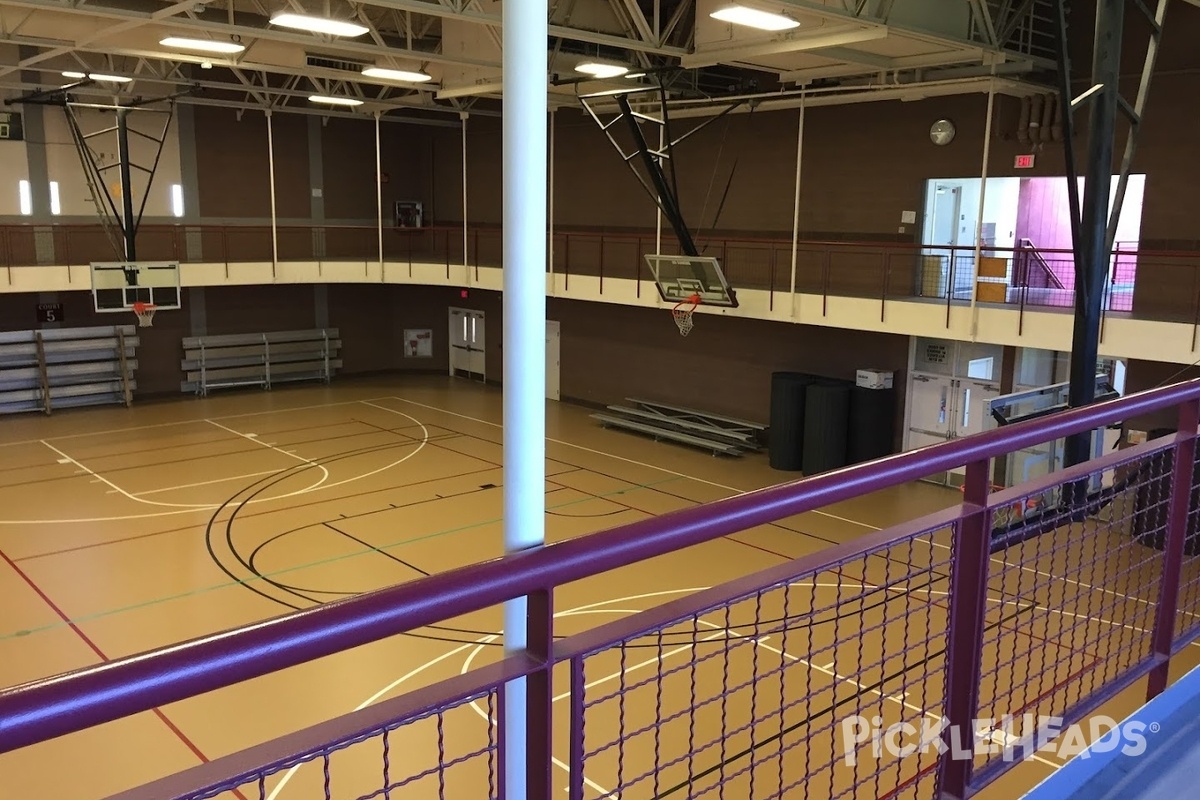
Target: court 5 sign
{"x": 49, "y": 312}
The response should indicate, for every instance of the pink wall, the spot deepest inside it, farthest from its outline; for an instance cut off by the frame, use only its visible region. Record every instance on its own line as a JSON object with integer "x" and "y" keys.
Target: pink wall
{"x": 1044, "y": 217}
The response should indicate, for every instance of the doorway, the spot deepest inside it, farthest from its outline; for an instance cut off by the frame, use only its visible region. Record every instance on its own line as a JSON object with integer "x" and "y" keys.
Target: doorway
{"x": 467, "y": 338}
{"x": 553, "y": 337}
{"x": 950, "y": 386}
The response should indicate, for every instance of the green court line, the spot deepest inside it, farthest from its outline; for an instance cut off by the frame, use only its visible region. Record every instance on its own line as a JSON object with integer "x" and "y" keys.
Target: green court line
{"x": 365, "y": 551}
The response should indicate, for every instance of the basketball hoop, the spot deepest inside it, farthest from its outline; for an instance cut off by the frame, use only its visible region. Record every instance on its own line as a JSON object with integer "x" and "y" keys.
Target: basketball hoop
{"x": 683, "y": 314}
{"x": 145, "y": 314}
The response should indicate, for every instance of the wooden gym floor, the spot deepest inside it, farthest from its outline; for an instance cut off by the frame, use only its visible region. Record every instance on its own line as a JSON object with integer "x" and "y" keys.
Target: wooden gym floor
{"x": 123, "y": 530}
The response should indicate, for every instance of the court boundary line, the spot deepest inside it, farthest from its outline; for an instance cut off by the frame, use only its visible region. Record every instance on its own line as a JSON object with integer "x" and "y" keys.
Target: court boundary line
{"x": 738, "y": 492}
{"x": 177, "y": 423}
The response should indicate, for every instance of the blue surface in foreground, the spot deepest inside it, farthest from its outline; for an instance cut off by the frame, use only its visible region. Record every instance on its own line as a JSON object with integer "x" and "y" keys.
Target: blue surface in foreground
{"x": 1169, "y": 767}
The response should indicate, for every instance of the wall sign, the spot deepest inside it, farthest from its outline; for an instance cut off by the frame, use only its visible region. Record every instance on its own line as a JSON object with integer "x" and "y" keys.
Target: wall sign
{"x": 935, "y": 354}
{"x": 408, "y": 214}
{"x": 1023, "y": 161}
{"x": 418, "y": 343}
{"x": 11, "y": 129}
{"x": 49, "y": 312}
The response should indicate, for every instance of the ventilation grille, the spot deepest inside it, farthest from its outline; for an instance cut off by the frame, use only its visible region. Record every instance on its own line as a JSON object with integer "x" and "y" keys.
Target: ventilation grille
{"x": 338, "y": 64}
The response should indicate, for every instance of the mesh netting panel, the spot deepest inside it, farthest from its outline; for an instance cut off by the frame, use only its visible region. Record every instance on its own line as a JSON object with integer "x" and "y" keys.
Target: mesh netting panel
{"x": 776, "y": 694}
{"x": 1072, "y": 610}
{"x": 447, "y": 754}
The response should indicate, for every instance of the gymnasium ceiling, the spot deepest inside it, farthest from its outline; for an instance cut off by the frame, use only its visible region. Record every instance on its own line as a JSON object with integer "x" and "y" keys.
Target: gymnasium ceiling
{"x": 841, "y": 51}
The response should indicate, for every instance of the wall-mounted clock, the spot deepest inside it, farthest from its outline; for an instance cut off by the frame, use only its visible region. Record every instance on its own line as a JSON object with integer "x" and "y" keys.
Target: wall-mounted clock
{"x": 941, "y": 132}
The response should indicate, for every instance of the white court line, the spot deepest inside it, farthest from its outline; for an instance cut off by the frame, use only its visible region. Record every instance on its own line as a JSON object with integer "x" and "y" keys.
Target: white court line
{"x": 195, "y": 421}
{"x": 866, "y": 525}
{"x": 187, "y": 507}
{"x": 184, "y": 509}
{"x": 253, "y": 437}
{"x": 478, "y": 643}
{"x": 207, "y": 483}
{"x": 287, "y": 776}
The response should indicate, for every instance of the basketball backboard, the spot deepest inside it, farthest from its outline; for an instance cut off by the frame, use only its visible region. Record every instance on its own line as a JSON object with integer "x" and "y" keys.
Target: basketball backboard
{"x": 117, "y": 285}
{"x": 680, "y": 277}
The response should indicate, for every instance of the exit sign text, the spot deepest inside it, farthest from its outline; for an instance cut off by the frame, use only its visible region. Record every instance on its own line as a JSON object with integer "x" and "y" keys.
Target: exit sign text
{"x": 1023, "y": 162}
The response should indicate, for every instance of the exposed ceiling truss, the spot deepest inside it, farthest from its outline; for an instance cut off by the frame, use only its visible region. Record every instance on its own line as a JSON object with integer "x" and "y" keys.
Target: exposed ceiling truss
{"x": 839, "y": 43}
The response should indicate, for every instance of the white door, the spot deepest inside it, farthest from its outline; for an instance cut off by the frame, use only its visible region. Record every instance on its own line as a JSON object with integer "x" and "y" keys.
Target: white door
{"x": 930, "y": 405}
{"x": 950, "y": 386}
{"x": 553, "y": 335}
{"x": 467, "y": 338}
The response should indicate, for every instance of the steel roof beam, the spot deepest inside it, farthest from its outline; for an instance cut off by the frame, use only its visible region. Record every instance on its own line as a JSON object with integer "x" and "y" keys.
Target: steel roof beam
{"x": 134, "y": 19}
{"x": 561, "y": 31}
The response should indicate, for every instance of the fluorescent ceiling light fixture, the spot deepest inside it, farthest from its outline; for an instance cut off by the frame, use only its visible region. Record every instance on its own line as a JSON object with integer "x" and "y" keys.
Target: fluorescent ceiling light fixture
{"x": 96, "y": 76}
{"x": 753, "y": 18}
{"x": 333, "y": 27}
{"x": 636, "y": 75}
{"x": 599, "y": 70}
{"x": 203, "y": 45}
{"x": 403, "y": 75}
{"x": 335, "y": 101}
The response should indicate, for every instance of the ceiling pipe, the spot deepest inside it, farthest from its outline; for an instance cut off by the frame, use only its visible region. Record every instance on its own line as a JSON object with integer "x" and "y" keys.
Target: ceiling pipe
{"x": 1023, "y": 121}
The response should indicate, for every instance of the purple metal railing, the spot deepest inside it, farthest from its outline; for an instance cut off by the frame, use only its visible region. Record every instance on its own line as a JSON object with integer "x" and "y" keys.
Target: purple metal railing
{"x": 745, "y": 688}
{"x": 883, "y": 271}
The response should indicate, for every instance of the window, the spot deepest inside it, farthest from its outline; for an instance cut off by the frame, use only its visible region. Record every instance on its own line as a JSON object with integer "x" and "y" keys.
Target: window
{"x": 26, "y": 198}
{"x": 177, "y": 199}
{"x": 55, "y": 202}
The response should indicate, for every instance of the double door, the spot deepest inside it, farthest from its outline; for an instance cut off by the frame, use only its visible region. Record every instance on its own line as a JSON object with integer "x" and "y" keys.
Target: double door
{"x": 467, "y": 339}
{"x": 467, "y": 349}
{"x": 950, "y": 387}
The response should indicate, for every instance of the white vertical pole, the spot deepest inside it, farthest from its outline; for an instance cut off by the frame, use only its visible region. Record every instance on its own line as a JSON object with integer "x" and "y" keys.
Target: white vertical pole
{"x": 274, "y": 220}
{"x": 796, "y": 202}
{"x": 379, "y": 192}
{"x": 983, "y": 176}
{"x": 550, "y": 207}
{"x": 466, "y": 260}
{"x": 525, "y": 30}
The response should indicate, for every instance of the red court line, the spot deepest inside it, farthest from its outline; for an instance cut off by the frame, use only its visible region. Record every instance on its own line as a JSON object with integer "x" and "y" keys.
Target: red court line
{"x": 100, "y": 654}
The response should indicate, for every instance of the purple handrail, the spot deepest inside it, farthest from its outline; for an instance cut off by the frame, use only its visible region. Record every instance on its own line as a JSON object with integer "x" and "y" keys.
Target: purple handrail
{"x": 63, "y": 704}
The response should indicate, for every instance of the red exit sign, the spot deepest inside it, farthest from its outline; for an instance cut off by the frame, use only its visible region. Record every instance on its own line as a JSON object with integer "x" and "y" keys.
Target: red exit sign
{"x": 1023, "y": 162}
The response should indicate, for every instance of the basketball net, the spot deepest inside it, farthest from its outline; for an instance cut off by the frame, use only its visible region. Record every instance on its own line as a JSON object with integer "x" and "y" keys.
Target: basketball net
{"x": 683, "y": 314}
{"x": 145, "y": 314}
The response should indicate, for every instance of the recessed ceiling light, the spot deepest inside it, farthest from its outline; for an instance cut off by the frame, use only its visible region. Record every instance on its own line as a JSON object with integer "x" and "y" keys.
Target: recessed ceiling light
{"x": 395, "y": 75}
{"x": 753, "y": 18}
{"x": 335, "y": 101}
{"x": 333, "y": 27}
{"x": 203, "y": 45}
{"x": 599, "y": 70}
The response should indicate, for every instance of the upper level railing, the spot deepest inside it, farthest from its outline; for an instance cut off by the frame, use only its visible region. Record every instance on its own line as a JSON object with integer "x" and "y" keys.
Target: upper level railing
{"x": 1149, "y": 284}
{"x": 772, "y": 685}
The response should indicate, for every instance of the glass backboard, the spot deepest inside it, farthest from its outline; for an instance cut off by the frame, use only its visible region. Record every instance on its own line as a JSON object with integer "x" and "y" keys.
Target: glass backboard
{"x": 680, "y": 277}
{"x": 117, "y": 285}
